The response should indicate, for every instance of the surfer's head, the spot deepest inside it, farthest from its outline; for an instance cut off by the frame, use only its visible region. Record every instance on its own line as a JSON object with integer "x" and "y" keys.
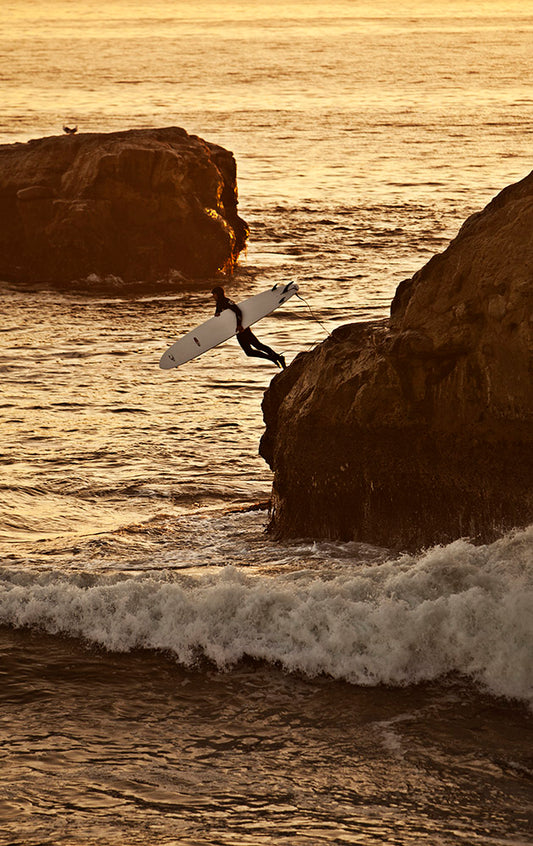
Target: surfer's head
{"x": 218, "y": 293}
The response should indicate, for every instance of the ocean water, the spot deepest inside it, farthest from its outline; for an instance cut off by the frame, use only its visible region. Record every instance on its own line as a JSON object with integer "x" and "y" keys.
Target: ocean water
{"x": 169, "y": 673}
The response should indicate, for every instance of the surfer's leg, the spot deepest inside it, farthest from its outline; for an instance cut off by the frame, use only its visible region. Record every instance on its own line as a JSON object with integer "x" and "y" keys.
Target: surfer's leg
{"x": 246, "y": 345}
{"x": 261, "y": 350}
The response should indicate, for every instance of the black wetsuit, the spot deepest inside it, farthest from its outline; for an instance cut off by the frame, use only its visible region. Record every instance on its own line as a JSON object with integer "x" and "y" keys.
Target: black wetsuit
{"x": 251, "y": 345}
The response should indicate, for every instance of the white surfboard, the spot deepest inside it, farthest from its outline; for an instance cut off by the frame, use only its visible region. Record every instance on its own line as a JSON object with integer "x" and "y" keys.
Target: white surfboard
{"x": 216, "y": 330}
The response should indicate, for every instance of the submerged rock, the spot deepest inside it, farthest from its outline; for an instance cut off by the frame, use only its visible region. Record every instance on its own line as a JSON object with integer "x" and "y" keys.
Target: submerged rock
{"x": 138, "y": 205}
{"x": 419, "y": 429}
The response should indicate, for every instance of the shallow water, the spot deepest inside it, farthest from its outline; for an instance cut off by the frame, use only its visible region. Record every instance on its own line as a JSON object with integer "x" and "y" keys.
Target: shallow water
{"x": 169, "y": 673}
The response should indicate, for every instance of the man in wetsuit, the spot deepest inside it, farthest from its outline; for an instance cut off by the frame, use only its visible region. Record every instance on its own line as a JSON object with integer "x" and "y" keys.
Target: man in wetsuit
{"x": 251, "y": 345}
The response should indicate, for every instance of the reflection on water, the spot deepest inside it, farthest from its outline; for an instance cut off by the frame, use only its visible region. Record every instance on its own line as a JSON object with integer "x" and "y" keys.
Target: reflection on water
{"x": 96, "y": 436}
{"x": 150, "y": 751}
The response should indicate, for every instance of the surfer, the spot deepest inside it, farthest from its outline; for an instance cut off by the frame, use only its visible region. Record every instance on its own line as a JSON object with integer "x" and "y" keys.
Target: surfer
{"x": 251, "y": 345}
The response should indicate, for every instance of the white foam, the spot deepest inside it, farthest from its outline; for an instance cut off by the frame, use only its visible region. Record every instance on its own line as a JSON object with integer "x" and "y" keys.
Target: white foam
{"x": 460, "y": 608}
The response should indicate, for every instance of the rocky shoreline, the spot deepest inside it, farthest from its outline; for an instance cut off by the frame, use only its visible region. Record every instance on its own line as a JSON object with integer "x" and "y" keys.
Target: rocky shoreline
{"x": 404, "y": 432}
{"x": 418, "y": 429}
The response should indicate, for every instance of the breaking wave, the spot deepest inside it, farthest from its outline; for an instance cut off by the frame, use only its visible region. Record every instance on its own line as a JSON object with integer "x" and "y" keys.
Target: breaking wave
{"x": 456, "y": 609}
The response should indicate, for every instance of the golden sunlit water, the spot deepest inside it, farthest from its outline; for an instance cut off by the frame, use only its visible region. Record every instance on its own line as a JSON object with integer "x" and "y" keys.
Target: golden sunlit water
{"x": 169, "y": 674}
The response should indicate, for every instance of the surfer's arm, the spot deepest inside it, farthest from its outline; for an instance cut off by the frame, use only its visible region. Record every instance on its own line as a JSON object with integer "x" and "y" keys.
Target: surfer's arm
{"x": 235, "y": 309}
{"x": 238, "y": 314}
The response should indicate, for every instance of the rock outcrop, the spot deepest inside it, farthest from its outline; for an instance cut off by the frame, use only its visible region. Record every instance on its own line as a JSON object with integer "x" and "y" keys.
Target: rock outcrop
{"x": 138, "y": 205}
{"x": 419, "y": 429}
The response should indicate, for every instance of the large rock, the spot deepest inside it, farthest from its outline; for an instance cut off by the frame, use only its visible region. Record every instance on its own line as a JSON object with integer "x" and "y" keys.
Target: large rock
{"x": 137, "y": 204}
{"x": 419, "y": 429}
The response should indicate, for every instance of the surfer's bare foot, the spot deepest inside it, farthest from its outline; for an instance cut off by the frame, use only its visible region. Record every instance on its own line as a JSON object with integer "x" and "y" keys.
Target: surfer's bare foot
{"x": 281, "y": 362}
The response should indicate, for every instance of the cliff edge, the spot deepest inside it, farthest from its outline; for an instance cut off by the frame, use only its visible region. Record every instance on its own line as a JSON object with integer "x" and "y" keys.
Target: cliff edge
{"x": 418, "y": 429}
{"x": 137, "y": 205}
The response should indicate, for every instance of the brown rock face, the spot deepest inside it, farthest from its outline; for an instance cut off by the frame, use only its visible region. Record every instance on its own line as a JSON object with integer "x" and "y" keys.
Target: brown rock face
{"x": 136, "y": 204}
{"x": 418, "y": 429}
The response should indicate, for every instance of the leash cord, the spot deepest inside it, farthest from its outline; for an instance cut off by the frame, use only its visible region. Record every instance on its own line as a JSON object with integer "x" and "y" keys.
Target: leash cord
{"x": 314, "y": 315}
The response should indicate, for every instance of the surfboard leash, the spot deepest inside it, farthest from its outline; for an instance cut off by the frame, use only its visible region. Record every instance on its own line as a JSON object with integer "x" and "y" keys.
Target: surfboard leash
{"x": 313, "y": 315}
